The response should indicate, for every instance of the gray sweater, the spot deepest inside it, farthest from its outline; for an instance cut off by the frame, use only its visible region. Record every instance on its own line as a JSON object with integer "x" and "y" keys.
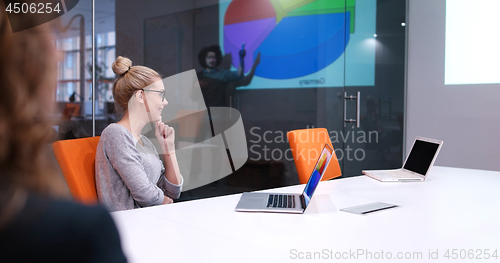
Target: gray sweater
{"x": 129, "y": 175}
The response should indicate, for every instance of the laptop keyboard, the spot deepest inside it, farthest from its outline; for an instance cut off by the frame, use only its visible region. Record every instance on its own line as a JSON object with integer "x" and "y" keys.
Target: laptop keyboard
{"x": 399, "y": 174}
{"x": 281, "y": 201}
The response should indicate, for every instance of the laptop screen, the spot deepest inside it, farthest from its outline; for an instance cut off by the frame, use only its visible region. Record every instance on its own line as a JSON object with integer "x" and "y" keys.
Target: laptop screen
{"x": 317, "y": 173}
{"x": 421, "y": 155}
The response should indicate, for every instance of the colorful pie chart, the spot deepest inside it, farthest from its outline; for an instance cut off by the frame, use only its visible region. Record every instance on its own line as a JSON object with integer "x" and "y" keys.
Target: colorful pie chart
{"x": 295, "y": 37}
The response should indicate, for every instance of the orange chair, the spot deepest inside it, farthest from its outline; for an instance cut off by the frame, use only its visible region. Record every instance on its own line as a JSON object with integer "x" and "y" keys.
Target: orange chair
{"x": 306, "y": 145}
{"x": 77, "y": 161}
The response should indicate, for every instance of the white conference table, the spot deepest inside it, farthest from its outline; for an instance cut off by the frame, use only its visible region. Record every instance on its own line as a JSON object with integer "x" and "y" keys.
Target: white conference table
{"x": 453, "y": 209}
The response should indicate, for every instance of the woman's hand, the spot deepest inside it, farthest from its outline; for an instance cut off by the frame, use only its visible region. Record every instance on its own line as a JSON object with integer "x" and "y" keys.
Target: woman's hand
{"x": 167, "y": 200}
{"x": 166, "y": 136}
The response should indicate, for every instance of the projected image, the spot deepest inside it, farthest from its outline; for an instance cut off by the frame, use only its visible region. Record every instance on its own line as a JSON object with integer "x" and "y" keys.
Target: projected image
{"x": 302, "y": 43}
{"x": 471, "y": 49}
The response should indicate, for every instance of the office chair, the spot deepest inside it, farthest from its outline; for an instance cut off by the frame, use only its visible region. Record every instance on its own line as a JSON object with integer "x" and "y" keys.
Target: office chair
{"x": 306, "y": 146}
{"x": 77, "y": 161}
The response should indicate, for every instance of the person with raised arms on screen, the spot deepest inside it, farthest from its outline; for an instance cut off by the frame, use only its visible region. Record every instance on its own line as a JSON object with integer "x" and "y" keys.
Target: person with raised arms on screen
{"x": 218, "y": 84}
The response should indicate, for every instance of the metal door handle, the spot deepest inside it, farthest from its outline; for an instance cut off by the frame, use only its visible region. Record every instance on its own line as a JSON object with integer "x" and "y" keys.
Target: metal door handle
{"x": 358, "y": 105}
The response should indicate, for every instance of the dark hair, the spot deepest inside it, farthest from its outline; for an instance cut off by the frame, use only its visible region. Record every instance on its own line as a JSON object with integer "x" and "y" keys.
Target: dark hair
{"x": 202, "y": 56}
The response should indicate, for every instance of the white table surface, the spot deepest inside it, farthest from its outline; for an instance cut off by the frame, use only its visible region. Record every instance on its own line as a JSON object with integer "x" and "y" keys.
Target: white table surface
{"x": 453, "y": 209}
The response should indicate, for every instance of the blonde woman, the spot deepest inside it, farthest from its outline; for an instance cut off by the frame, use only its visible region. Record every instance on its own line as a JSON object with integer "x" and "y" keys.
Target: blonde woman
{"x": 129, "y": 171}
{"x": 37, "y": 221}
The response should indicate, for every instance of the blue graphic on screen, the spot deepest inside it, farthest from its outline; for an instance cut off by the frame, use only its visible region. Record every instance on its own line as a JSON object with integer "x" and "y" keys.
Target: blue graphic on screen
{"x": 317, "y": 173}
{"x": 302, "y": 43}
{"x": 286, "y": 56}
{"x": 314, "y": 182}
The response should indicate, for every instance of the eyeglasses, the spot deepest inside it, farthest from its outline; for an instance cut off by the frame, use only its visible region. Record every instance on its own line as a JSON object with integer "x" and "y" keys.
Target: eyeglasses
{"x": 162, "y": 92}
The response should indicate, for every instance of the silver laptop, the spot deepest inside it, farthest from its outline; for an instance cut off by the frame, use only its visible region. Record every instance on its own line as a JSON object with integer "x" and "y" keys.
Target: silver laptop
{"x": 287, "y": 203}
{"x": 418, "y": 163}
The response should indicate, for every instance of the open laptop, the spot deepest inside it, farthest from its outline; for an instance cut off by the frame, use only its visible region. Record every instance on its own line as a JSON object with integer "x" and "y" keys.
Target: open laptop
{"x": 287, "y": 203}
{"x": 418, "y": 163}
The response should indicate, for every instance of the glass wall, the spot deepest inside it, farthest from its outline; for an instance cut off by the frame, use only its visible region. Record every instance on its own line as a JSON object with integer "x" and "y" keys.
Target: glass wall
{"x": 73, "y": 96}
{"x": 303, "y": 62}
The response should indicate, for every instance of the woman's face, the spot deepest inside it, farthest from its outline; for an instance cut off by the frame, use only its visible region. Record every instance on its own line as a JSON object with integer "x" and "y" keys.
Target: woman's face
{"x": 155, "y": 97}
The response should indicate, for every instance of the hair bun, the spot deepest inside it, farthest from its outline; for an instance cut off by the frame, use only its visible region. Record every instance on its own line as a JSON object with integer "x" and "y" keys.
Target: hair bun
{"x": 121, "y": 65}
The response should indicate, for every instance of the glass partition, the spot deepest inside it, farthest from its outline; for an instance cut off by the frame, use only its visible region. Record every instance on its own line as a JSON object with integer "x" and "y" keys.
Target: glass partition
{"x": 283, "y": 64}
{"x": 74, "y": 38}
{"x": 377, "y": 142}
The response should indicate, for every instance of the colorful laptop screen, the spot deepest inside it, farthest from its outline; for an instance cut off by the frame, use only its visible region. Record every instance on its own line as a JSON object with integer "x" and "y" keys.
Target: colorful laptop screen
{"x": 317, "y": 173}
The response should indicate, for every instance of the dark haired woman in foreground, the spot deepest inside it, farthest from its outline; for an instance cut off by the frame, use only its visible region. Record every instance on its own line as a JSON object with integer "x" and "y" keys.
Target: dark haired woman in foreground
{"x": 36, "y": 223}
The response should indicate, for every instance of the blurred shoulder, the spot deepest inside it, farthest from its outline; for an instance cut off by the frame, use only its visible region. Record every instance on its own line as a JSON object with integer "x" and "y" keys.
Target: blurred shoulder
{"x": 64, "y": 213}
{"x": 55, "y": 230}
